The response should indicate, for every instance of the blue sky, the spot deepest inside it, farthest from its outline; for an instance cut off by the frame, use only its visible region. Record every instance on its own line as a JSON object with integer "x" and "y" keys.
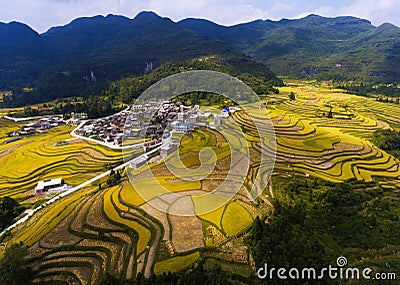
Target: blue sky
{"x": 42, "y": 14}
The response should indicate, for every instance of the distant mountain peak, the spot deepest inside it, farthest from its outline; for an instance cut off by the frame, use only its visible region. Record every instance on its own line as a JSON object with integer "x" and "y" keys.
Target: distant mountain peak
{"x": 16, "y": 29}
{"x": 147, "y": 15}
{"x": 150, "y": 18}
{"x": 17, "y": 25}
{"x": 98, "y": 18}
{"x": 386, "y": 26}
{"x": 313, "y": 16}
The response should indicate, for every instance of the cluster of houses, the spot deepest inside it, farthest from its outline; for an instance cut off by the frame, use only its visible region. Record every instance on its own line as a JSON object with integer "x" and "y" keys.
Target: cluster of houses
{"x": 109, "y": 130}
{"x": 169, "y": 118}
{"x": 194, "y": 117}
{"x": 183, "y": 119}
{"x": 76, "y": 118}
{"x": 40, "y": 126}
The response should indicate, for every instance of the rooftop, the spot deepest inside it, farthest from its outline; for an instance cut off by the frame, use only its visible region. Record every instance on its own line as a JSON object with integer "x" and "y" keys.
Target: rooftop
{"x": 48, "y": 183}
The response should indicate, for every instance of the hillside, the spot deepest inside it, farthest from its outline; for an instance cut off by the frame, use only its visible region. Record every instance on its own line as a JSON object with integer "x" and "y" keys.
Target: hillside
{"x": 255, "y": 75}
{"x": 334, "y": 48}
{"x": 21, "y": 57}
{"x": 82, "y": 37}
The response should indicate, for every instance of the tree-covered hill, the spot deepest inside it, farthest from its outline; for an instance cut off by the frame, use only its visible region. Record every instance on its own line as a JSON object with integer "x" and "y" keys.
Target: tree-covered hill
{"x": 85, "y": 56}
{"x": 329, "y": 48}
{"x": 21, "y": 53}
{"x": 256, "y": 75}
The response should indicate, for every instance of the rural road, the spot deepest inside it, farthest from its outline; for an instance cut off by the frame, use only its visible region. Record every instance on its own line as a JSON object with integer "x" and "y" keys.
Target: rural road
{"x": 76, "y": 188}
{"x": 17, "y": 120}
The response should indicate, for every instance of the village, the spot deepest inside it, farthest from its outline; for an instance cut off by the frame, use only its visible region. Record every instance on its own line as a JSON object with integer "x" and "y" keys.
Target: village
{"x": 108, "y": 130}
{"x": 40, "y": 126}
{"x": 131, "y": 123}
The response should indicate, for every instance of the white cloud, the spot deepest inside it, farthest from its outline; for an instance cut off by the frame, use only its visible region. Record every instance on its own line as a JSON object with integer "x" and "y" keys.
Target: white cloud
{"x": 282, "y": 10}
{"x": 377, "y": 12}
{"x": 230, "y": 15}
{"x": 42, "y": 14}
{"x": 217, "y": 11}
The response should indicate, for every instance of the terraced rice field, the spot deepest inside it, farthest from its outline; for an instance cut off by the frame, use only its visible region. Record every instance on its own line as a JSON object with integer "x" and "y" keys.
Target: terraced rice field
{"x": 176, "y": 263}
{"x": 88, "y": 234}
{"x": 37, "y": 157}
{"x": 116, "y": 230}
{"x": 336, "y": 148}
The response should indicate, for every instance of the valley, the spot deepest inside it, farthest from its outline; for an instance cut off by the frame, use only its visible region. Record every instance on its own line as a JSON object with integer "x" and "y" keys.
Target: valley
{"x": 323, "y": 134}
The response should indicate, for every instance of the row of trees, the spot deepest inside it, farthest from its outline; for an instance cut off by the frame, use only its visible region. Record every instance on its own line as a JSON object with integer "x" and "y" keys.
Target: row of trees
{"x": 367, "y": 89}
{"x": 94, "y": 106}
{"x": 197, "y": 274}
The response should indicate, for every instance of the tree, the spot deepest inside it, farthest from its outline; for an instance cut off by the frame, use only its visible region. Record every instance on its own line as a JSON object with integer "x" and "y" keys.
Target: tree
{"x": 256, "y": 231}
{"x": 28, "y": 111}
{"x": 330, "y": 114}
{"x": 9, "y": 209}
{"x": 117, "y": 175}
{"x": 109, "y": 279}
{"x": 114, "y": 178}
{"x": 14, "y": 268}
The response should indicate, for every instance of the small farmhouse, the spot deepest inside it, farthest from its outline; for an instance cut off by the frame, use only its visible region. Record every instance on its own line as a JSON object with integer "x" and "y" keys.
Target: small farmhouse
{"x": 46, "y": 185}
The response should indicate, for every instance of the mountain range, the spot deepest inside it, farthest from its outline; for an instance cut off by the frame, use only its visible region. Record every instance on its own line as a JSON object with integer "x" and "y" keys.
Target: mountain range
{"x": 342, "y": 47}
{"x": 83, "y": 57}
